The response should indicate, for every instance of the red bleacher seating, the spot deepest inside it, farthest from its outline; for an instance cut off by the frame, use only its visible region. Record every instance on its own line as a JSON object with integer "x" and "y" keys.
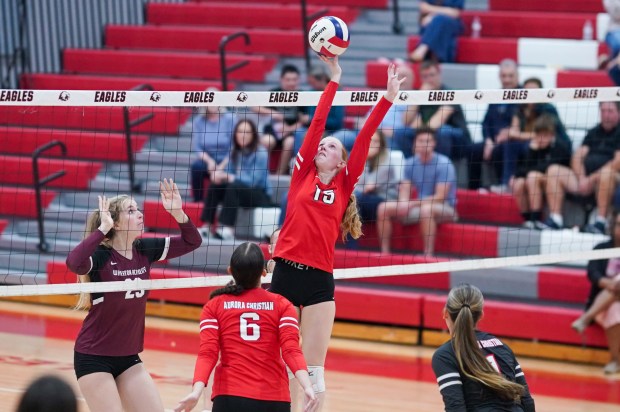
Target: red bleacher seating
{"x": 371, "y": 4}
{"x": 583, "y": 78}
{"x": 20, "y": 202}
{"x": 205, "y": 39}
{"x": 522, "y": 321}
{"x": 480, "y": 50}
{"x": 48, "y": 81}
{"x": 156, "y": 217}
{"x": 174, "y": 64}
{"x": 3, "y": 224}
{"x": 80, "y": 145}
{"x": 16, "y": 170}
{"x": 563, "y": 284}
{"x": 584, "y": 6}
{"x": 489, "y": 208}
{"x": 238, "y": 15}
{"x": 376, "y": 74}
{"x": 165, "y": 121}
{"x": 528, "y": 24}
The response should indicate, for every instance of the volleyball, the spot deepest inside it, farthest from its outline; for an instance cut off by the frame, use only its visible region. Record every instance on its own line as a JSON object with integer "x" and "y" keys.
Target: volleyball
{"x": 329, "y": 36}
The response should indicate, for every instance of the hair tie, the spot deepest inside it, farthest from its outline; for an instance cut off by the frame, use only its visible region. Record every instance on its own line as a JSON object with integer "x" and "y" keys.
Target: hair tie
{"x": 465, "y": 305}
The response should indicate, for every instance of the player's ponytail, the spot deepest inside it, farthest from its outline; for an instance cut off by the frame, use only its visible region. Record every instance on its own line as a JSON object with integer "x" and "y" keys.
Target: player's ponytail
{"x": 247, "y": 265}
{"x": 464, "y": 306}
{"x": 351, "y": 222}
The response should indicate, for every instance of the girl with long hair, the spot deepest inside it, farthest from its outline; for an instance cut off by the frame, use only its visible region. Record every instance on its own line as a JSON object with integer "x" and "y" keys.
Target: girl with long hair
{"x": 321, "y": 207}
{"x": 475, "y": 370}
{"x": 254, "y": 332}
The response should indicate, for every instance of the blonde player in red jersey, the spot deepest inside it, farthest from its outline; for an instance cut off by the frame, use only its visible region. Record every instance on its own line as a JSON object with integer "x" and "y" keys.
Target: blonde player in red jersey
{"x": 254, "y": 331}
{"x": 321, "y": 206}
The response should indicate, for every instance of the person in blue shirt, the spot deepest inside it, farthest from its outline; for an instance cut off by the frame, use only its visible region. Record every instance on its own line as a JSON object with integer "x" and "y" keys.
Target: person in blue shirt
{"x": 211, "y": 135}
{"x": 433, "y": 177}
{"x": 440, "y": 25}
{"x": 241, "y": 180}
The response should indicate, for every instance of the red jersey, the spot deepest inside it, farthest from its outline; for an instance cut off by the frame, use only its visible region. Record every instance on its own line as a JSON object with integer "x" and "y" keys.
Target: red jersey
{"x": 254, "y": 332}
{"x": 315, "y": 210}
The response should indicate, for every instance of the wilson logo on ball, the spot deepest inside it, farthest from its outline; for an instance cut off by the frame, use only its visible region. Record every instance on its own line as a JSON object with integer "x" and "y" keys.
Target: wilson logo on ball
{"x": 329, "y": 36}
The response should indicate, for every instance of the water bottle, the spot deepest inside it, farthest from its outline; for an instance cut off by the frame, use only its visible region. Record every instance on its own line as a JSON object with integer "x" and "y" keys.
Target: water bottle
{"x": 588, "y": 30}
{"x": 476, "y": 27}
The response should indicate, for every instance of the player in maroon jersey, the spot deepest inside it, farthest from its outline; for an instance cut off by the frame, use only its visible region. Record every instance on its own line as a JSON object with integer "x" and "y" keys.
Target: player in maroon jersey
{"x": 321, "y": 206}
{"x": 253, "y": 331}
{"x": 110, "y": 373}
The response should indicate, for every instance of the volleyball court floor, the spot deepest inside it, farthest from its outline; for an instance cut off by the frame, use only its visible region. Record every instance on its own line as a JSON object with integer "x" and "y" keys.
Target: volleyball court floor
{"x": 361, "y": 376}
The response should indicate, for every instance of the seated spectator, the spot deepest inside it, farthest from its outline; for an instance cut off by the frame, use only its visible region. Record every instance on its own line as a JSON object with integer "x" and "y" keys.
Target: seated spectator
{"x": 433, "y": 177}
{"x": 211, "y": 132}
{"x": 242, "y": 180}
{"x": 612, "y": 39}
{"x": 380, "y": 180}
{"x": 447, "y": 121}
{"x": 593, "y": 170}
{"x": 528, "y": 184}
{"x": 283, "y": 121}
{"x": 603, "y": 304}
{"x": 495, "y": 128}
{"x": 521, "y": 131}
{"x": 440, "y": 25}
{"x": 48, "y": 393}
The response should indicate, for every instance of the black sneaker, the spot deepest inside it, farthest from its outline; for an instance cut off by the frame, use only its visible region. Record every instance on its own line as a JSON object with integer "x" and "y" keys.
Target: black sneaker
{"x": 551, "y": 224}
{"x": 598, "y": 228}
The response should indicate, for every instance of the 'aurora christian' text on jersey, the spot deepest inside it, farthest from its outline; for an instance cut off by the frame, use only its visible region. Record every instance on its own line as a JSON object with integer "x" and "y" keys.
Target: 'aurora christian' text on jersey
{"x": 254, "y": 332}
{"x": 462, "y": 394}
{"x": 315, "y": 210}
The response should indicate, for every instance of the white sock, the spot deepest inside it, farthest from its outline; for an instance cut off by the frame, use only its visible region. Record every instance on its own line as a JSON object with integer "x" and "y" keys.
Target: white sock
{"x": 557, "y": 218}
{"x": 601, "y": 219}
{"x": 227, "y": 231}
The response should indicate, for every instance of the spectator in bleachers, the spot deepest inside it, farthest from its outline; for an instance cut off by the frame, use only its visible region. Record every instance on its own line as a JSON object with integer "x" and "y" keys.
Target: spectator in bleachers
{"x": 528, "y": 184}
{"x": 593, "y": 170}
{"x": 603, "y": 304}
{"x": 433, "y": 178}
{"x": 242, "y": 180}
{"x": 440, "y": 25}
{"x": 521, "y": 131}
{"x": 211, "y": 133}
{"x": 495, "y": 128}
{"x": 612, "y": 39}
{"x": 283, "y": 121}
{"x": 380, "y": 180}
{"x": 447, "y": 121}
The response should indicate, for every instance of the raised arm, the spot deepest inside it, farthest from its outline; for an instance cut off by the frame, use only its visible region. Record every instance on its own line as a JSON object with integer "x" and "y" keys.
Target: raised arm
{"x": 359, "y": 153}
{"x": 190, "y": 237}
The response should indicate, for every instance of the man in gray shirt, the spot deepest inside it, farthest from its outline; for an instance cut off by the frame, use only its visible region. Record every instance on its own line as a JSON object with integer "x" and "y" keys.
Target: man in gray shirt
{"x": 433, "y": 177}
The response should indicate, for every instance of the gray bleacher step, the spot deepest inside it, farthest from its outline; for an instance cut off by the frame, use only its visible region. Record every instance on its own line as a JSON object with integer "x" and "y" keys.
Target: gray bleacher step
{"x": 181, "y": 144}
{"x": 109, "y": 182}
{"x": 165, "y": 158}
{"x": 27, "y": 262}
{"x": 30, "y": 244}
{"x": 143, "y": 172}
{"x": 52, "y": 229}
{"x": 17, "y": 277}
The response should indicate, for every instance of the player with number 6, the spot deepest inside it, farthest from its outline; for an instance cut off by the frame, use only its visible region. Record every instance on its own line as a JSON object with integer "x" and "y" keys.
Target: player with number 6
{"x": 110, "y": 373}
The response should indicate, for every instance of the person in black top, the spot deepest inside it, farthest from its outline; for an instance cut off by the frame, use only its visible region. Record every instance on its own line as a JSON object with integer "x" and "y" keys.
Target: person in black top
{"x": 475, "y": 370}
{"x": 528, "y": 183}
{"x": 593, "y": 170}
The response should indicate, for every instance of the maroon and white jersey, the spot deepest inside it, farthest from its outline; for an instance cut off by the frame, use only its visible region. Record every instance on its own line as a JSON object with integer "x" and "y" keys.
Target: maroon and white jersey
{"x": 114, "y": 325}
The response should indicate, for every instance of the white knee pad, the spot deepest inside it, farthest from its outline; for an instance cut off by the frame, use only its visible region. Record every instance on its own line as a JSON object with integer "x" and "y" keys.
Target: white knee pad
{"x": 317, "y": 377}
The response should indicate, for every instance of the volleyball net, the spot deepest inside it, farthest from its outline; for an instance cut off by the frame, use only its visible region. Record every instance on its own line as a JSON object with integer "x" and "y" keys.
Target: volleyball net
{"x": 61, "y": 149}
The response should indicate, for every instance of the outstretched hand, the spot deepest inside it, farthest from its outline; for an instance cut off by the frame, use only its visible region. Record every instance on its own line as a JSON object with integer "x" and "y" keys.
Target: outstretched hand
{"x": 107, "y": 223}
{"x": 334, "y": 67}
{"x": 171, "y": 199}
{"x": 393, "y": 83}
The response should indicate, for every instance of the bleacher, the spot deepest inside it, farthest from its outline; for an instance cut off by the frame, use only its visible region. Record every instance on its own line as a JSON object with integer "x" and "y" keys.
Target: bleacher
{"x": 177, "y": 50}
